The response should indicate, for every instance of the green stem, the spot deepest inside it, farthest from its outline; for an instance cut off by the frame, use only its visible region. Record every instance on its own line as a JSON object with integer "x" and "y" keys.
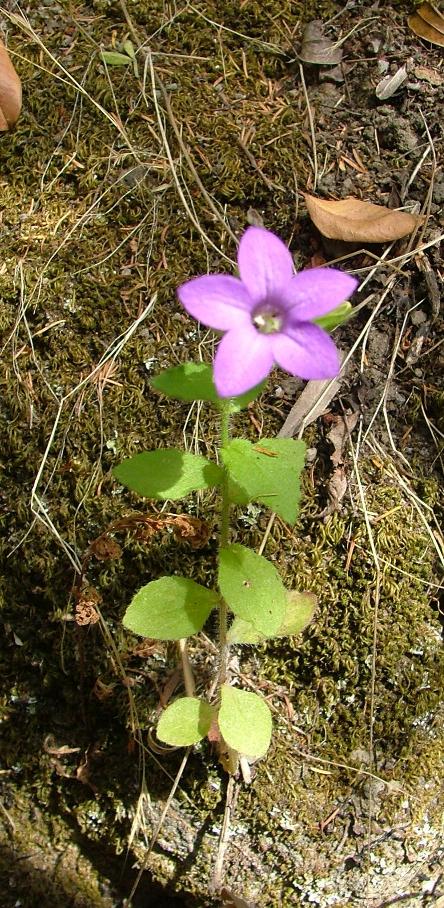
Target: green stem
{"x": 223, "y": 542}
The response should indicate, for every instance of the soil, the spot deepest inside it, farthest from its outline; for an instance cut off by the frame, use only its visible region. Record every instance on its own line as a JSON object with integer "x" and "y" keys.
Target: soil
{"x": 117, "y": 183}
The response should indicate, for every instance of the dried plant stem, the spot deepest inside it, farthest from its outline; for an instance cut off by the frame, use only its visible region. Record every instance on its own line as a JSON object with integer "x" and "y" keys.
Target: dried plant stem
{"x": 188, "y": 677}
{"x": 230, "y": 801}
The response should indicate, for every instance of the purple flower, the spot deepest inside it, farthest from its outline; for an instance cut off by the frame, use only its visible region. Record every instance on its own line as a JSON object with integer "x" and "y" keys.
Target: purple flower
{"x": 267, "y": 314}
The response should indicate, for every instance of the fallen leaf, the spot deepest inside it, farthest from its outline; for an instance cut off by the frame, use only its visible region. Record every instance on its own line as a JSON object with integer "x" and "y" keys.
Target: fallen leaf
{"x": 105, "y": 547}
{"x": 10, "y": 92}
{"x": 86, "y": 612}
{"x": 428, "y": 75}
{"x": 428, "y": 23}
{"x": 316, "y": 48}
{"x": 192, "y": 529}
{"x": 314, "y": 400}
{"x": 230, "y": 900}
{"x": 390, "y": 84}
{"x": 432, "y": 16}
{"x": 339, "y": 434}
{"x": 355, "y": 221}
{"x": 342, "y": 427}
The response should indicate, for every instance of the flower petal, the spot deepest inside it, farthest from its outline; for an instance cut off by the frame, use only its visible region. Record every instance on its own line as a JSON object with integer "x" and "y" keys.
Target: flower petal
{"x": 306, "y": 351}
{"x": 243, "y": 359}
{"x": 315, "y": 291}
{"x": 219, "y": 301}
{"x": 265, "y": 264}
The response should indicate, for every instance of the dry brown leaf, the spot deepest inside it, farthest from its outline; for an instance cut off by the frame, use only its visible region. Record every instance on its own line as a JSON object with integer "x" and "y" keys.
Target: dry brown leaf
{"x": 428, "y": 23}
{"x": 342, "y": 427}
{"x": 230, "y": 900}
{"x": 105, "y": 547}
{"x": 359, "y": 222}
{"x": 428, "y": 75}
{"x": 191, "y": 529}
{"x": 10, "y": 92}
{"x": 432, "y": 16}
{"x": 87, "y": 600}
{"x": 316, "y": 48}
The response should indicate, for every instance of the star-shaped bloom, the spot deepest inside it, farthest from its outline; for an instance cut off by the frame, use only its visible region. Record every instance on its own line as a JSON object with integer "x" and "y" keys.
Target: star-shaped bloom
{"x": 267, "y": 314}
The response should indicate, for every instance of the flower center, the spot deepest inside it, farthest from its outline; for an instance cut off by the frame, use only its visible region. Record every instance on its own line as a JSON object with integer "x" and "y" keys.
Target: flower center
{"x": 268, "y": 320}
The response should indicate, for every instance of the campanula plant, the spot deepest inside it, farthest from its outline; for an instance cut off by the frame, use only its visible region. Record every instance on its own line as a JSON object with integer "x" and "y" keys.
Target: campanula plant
{"x": 269, "y": 316}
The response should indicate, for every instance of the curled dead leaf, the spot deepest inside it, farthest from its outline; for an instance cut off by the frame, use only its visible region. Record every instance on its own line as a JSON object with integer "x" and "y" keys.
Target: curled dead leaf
{"x": 428, "y": 23}
{"x": 105, "y": 547}
{"x": 390, "y": 84}
{"x": 86, "y": 612}
{"x": 10, "y": 92}
{"x": 355, "y": 221}
{"x": 190, "y": 529}
{"x": 316, "y": 48}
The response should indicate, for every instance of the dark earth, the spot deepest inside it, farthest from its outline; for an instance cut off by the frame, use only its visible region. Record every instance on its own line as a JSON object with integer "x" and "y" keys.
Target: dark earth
{"x": 119, "y": 182}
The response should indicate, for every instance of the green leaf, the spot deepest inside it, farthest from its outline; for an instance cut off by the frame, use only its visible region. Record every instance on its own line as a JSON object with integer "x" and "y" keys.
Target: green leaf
{"x": 113, "y": 58}
{"x": 267, "y": 472}
{"x": 245, "y": 722}
{"x": 167, "y": 473}
{"x": 335, "y": 317}
{"x": 194, "y": 381}
{"x": 128, "y": 47}
{"x": 299, "y": 612}
{"x": 170, "y": 608}
{"x": 185, "y": 722}
{"x": 252, "y": 588}
{"x": 239, "y": 403}
{"x": 189, "y": 381}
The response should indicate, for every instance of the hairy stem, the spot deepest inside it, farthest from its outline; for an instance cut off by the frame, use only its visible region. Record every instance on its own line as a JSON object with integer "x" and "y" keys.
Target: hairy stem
{"x": 223, "y": 542}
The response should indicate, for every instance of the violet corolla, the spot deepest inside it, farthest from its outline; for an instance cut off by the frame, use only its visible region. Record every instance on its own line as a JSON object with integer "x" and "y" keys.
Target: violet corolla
{"x": 267, "y": 314}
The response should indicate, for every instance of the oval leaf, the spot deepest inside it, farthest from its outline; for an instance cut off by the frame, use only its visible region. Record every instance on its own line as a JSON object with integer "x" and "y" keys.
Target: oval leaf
{"x": 194, "y": 381}
{"x": 267, "y": 472}
{"x": 299, "y": 611}
{"x": 355, "y": 221}
{"x": 10, "y": 91}
{"x": 167, "y": 473}
{"x": 239, "y": 403}
{"x": 316, "y": 48}
{"x": 113, "y": 58}
{"x": 423, "y": 28}
{"x": 252, "y": 588}
{"x": 185, "y": 722}
{"x": 189, "y": 381}
{"x": 245, "y": 722}
{"x": 169, "y": 608}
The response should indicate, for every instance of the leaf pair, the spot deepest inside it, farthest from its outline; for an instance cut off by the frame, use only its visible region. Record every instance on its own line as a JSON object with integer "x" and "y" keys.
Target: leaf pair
{"x": 243, "y": 720}
{"x": 172, "y": 608}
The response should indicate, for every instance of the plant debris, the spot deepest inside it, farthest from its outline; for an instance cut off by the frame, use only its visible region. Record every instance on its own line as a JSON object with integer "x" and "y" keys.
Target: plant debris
{"x": 316, "y": 48}
{"x": 390, "y": 84}
{"x": 355, "y": 221}
{"x": 342, "y": 427}
{"x": 10, "y": 92}
{"x": 428, "y": 23}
